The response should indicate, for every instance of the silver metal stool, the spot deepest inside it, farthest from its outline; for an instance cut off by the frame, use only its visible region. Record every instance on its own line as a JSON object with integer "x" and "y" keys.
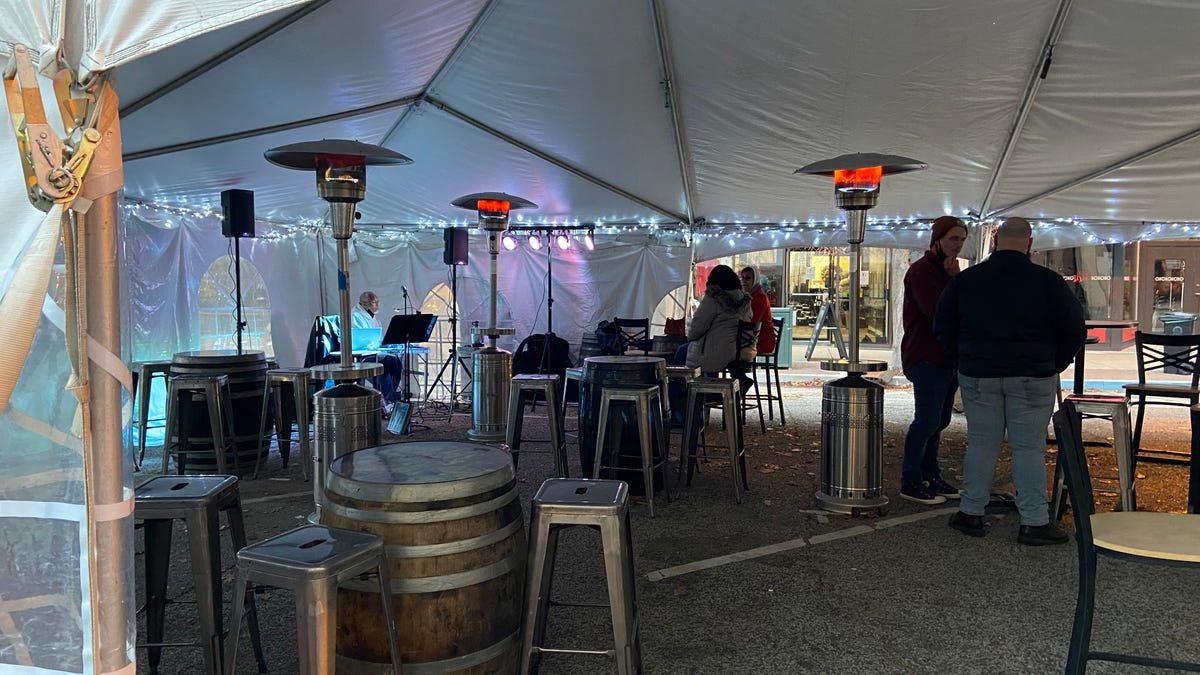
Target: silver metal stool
{"x": 647, "y": 408}
{"x": 143, "y": 373}
{"x": 728, "y": 390}
{"x": 300, "y": 379}
{"x": 312, "y": 561}
{"x": 213, "y": 390}
{"x": 1115, "y": 408}
{"x": 682, "y": 375}
{"x": 527, "y": 386}
{"x": 198, "y": 502}
{"x": 571, "y": 375}
{"x": 603, "y": 504}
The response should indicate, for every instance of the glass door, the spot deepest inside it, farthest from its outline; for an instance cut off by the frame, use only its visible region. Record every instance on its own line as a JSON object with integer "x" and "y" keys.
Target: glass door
{"x": 1168, "y": 276}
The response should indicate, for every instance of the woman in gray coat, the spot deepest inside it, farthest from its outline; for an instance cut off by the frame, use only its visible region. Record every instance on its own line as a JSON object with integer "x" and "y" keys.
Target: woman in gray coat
{"x": 712, "y": 335}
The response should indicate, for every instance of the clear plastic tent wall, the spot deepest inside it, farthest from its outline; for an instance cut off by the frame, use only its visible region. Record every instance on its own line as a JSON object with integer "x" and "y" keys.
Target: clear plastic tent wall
{"x": 66, "y": 593}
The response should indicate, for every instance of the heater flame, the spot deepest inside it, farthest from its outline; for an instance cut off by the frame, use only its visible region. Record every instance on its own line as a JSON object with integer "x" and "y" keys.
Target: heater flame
{"x": 492, "y": 207}
{"x": 865, "y": 179}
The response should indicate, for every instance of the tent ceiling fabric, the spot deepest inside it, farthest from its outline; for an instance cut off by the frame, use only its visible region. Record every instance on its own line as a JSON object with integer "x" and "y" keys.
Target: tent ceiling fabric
{"x": 565, "y": 104}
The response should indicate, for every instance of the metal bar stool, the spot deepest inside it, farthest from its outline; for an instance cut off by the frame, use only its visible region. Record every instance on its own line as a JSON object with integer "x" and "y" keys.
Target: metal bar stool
{"x": 299, "y": 379}
{"x": 214, "y": 391}
{"x": 198, "y": 502}
{"x": 312, "y": 561}
{"x": 576, "y": 375}
{"x": 526, "y": 387}
{"x": 1115, "y": 408}
{"x": 602, "y": 504}
{"x": 728, "y": 391}
{"x": 647, "y": 407}
{"x": 143, "y": 373}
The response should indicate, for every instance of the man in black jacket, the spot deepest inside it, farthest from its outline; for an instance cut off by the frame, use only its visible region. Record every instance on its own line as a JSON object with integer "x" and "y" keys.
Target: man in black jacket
{"x": 1014, "y": 326}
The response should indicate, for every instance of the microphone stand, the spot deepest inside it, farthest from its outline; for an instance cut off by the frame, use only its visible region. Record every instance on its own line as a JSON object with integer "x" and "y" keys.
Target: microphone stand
{"x": 405, "y": 395}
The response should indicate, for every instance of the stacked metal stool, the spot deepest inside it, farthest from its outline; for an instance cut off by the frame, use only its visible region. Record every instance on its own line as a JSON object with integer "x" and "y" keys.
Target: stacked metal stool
{"x": 646, "y": 401}
{"x": 300, "y": 380}
{"x": 1115, "y": 408}
{"x": 727, "y": 392}
{"x": 527, "y": 387}
{"x": 602, "y": 504}
{"x": 198, "y": 501}
{"x": 214, "y": 391}
{"x": 312, "y": 561}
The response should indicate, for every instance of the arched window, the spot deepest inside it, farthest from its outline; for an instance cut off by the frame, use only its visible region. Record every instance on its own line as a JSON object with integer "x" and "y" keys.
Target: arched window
{"x": 472, "y": 308}
{"x": 218, "y": 311}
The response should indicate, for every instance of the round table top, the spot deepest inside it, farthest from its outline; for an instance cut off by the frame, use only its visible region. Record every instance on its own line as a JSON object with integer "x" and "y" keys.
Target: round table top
{"x": 612, "y": 360}
{"x": 420, "y": 471}
{"x": 221, "y": 355}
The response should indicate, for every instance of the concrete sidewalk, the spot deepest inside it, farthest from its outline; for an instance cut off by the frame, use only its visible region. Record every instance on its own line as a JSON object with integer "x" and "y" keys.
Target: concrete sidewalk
{"x": 1104, "y": 370}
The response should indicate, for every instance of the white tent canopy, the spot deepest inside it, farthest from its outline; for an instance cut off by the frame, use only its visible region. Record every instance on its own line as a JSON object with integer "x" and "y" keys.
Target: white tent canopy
{"x": 573, "y": 106}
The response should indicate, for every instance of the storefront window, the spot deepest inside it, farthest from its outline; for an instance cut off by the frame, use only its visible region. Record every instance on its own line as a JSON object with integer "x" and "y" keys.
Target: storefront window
{"x": 1102, "y": 278}
{"x": 819, "y": 278}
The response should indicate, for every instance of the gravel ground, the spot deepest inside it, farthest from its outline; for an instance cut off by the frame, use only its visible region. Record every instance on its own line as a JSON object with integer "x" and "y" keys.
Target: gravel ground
{"x": 892, "y": 593}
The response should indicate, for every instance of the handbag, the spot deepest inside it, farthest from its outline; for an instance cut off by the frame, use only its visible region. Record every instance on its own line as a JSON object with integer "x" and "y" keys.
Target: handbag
{"x": 675, "y": 327}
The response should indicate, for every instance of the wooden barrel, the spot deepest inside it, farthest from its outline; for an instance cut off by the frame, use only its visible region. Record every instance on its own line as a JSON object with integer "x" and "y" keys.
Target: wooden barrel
{"x": 589, "y": 345}
{"x": 614, "y": 371}
{"x": 667, "y": 343}
{"x": 450, "y": 518}
{"x": 247, "y": 375}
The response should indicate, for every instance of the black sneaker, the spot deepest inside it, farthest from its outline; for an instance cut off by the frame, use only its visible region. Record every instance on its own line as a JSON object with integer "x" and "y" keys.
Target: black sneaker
{"x": 968, "y": 524}
{"x": 921, "y": 493}
{"x": 942, "y": 488}
{"x": 1041, "y": 535}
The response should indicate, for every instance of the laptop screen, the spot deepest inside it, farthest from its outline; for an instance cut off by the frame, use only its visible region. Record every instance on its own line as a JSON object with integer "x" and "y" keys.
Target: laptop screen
{"x": 365, "y": 339}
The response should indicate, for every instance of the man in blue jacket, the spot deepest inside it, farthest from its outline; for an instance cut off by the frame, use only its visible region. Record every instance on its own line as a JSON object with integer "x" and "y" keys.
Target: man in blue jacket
{"x": 1014, "y": 327}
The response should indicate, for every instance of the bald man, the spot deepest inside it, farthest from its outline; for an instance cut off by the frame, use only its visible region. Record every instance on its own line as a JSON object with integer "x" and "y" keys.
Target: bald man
{"x": 363, "y": 314}
{"x": 1014, "y": 326}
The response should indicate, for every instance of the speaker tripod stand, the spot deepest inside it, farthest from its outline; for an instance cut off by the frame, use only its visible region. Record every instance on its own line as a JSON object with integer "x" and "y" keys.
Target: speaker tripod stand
{"x": 452, "y": 362}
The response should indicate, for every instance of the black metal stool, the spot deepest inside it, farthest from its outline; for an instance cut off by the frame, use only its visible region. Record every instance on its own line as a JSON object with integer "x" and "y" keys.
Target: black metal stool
{"x": 143, "y": 374}
{"x": 647, "y": 408}
{"x": 526, "y": 387}
{"x": 727, "y": 390}
{"x": 198, "y": 502}
{"x": 603, "y": 504}
{"x": 312, "y": 561}
{"x": 299, "y": 379}
{"x": 214, "y": 391}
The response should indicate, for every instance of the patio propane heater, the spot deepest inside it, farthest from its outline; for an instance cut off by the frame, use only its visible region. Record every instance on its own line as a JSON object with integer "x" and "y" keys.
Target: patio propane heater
{"x": 491, "y": 367}
{"x": 852, "y": 407}
{"x": 346, "y": 416}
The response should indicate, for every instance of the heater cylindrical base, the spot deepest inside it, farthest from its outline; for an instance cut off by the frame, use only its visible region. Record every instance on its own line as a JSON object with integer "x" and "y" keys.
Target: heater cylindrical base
{"x": 346, "y": 417}
{"x": 851, "y": 446}
{"x": 491, "y": 370}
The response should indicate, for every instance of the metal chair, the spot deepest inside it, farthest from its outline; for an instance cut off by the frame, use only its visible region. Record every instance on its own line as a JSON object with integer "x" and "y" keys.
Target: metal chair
{"x": 727, "y": 393}
{"x": 769, "y": 365}
{"x": 143, "y": 374}
{"x": 527, "y": 387}
{"x": 747, "y": 339}
{"x": 300, "y": 380}
{"x": 1170, "y": 354}
{"x": 198, "y": 502}
{"x": 1116, "y": 409}
{"x": 633, "y": 333}
{"x": 602, "y": 504}
{"x": 1149, "y": 538}
{"x": 312, "y": 561}
{"x": 573, "y": 374}
{"x": 647, "y": 408}
{"x": 213, "y": 390}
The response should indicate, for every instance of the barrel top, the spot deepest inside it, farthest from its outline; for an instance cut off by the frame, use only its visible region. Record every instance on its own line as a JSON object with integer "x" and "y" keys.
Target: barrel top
{"x": 422, "y": 462}
{"x": 218, "y": 356}
{"x": 620, "y": 360}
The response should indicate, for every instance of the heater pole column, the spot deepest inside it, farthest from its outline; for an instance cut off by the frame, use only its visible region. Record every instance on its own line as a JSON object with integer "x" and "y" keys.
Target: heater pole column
{"x": 856, "y": 221}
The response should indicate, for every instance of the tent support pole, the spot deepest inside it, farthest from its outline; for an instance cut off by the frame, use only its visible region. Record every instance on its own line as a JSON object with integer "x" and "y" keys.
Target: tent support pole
{"x": 1040, "y": 69}
{"x": 668, "y": 82}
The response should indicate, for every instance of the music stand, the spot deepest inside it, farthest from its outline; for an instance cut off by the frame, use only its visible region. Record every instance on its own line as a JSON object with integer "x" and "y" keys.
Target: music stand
{"x": 406, "y": 329}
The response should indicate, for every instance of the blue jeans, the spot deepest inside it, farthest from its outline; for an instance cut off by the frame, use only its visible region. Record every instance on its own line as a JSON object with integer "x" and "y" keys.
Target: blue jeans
{"x": 933, "y": 401}
{"x": 1022, "y": 406}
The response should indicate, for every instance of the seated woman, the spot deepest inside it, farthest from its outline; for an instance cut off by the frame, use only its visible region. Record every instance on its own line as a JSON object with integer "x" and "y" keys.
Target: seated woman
{"x": 712, "y": 334}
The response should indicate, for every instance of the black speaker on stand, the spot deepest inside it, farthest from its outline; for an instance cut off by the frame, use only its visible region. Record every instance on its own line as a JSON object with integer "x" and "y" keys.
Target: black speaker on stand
{"x": 454, "y": 254}
{"x": 237, "y": 221}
